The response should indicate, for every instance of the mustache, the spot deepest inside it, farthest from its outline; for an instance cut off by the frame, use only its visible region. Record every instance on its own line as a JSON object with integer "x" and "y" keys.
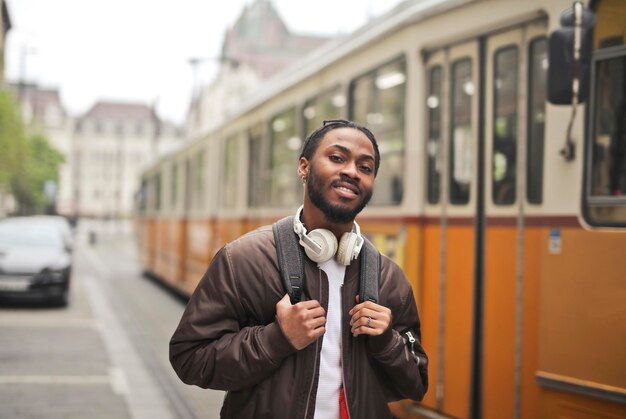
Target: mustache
{"x": 347, "y": 179}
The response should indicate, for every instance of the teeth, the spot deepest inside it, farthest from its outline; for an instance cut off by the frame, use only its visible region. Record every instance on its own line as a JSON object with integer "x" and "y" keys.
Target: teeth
{"x": 345, "y": 189}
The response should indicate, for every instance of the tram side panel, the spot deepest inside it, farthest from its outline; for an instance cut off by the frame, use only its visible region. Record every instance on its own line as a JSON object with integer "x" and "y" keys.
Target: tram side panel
{"x": 582, "y": 332}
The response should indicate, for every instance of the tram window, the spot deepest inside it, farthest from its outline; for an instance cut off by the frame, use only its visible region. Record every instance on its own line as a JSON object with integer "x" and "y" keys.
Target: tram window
{"x": 377, "y": 100}
{"x": 461, "y": 131}
{"x": 433, "y": 103}
{"x": 199, "y": 181}
{"x": 504, "y": 157}
{"x": 608, "y": 140}
{"x": 257, "y": 173}
{"x": 158, "y": 190}
{"x": 141, "y": 197}
{"x": 229, "y": 184}
{"x": 329, "y": 105}
{"x": 284, "y": 184}
{"x": 174, "y": 186}
{"x": 538, "y": 76}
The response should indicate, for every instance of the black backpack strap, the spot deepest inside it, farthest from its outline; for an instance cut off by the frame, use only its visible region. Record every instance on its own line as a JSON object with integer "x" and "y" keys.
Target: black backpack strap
{"x": 290, "y": 258}
{"x": 370, "y": 272}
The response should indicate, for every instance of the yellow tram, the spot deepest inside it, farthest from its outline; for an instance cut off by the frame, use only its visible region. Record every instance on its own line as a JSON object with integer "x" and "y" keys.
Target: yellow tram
{"x": 508, "y": 221}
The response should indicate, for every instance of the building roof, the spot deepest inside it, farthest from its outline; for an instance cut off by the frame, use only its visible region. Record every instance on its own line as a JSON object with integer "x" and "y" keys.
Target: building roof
{"x": 121, "y": 111}
{"x": 261, "y": 39}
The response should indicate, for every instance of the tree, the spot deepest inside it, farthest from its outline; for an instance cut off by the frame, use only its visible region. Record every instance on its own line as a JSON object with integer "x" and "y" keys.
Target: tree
{"x": 26, "y": 161}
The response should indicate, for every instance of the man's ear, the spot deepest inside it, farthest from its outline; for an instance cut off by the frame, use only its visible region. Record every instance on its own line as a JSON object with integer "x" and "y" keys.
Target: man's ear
{"x": 303, "y": 167}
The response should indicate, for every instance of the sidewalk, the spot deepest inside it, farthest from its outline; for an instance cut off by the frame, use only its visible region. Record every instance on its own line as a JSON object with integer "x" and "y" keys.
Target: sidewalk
{"x": 75, "y": 362}
{"x": 54, "y": 364}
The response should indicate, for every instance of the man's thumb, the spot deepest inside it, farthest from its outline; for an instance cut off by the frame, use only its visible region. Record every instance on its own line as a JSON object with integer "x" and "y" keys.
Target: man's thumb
{"x": 285, "y": 301}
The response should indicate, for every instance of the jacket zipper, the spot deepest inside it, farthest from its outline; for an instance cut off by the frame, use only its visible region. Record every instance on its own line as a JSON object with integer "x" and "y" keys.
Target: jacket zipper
{"x": 343, "y": 346}
{"x": 412, "y": 343}
{"x": 317, "y": 342}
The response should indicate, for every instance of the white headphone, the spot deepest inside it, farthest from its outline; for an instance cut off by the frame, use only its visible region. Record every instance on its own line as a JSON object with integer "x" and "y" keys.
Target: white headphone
{"x": 320, "y": 244}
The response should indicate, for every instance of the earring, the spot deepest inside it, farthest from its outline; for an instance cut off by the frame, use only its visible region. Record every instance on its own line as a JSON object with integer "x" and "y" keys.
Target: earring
{"x": 303, "y": 180}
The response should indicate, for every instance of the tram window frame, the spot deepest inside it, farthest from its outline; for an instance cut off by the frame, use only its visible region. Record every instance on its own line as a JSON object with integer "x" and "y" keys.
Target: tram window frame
{"x": 390, "y": 148}
{"x": 504, "y": 190}
{"x": 326, "y": 97}
{"x": 433, "y": 145}
{"x": 229, "y": 184}
{"x": 602, "y": 210}
{"x": 535, "y": 149}
{"x": 454, "y": 197}
{"x": 284, "y": 195}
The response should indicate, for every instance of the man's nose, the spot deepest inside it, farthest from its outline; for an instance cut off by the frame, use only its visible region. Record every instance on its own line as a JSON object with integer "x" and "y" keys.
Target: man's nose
{"x": 350, "y": 169}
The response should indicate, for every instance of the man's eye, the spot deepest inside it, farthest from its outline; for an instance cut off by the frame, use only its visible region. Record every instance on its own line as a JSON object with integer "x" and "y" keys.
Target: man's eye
{"x": 335, "y": 158}
{"x": 366, "y": 169}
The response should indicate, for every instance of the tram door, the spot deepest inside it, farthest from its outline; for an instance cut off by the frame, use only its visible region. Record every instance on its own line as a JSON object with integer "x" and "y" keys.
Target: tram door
{"x": 480, "y": 292}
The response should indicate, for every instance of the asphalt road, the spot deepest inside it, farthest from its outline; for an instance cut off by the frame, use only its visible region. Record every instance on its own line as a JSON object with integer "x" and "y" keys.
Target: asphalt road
{"x": 106, "y": 354}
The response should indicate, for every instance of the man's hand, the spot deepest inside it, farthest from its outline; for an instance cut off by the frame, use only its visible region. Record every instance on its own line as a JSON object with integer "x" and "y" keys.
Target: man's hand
{"x": 369, "y": 318}
{"x": 303, "y": 322}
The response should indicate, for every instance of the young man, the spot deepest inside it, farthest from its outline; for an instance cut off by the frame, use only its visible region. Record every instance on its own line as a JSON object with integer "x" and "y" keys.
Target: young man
{"x": 329, "y": 355}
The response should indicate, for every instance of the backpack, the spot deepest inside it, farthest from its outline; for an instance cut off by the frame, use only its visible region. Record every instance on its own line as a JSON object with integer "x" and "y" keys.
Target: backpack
{"x": 291, "y": 263}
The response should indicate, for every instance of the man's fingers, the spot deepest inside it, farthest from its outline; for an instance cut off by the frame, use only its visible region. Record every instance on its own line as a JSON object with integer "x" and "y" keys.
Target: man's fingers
{"x": 309, "y": 304}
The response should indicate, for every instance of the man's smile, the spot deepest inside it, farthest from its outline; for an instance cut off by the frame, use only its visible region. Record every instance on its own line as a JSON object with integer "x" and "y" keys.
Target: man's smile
{"x": 346, "y": 188}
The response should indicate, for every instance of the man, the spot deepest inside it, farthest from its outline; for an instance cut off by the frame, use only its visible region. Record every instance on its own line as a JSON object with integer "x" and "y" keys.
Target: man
{"x": 329, "y": 355}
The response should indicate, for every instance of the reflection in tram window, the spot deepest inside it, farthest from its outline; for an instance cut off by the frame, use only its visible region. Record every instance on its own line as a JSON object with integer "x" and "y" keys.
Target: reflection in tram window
{"x": 609, "y": 137}
{"x": 504, "y": 158}
{"x": 378, "y": 101}
{"x": 433, "y": 103}
{"x": 329, "y": 105}
{"x": 538, "y": 73}
{"x": 284, "y": 186}
{"x": 230, "y": 184}
{"x": 461, "y": 131}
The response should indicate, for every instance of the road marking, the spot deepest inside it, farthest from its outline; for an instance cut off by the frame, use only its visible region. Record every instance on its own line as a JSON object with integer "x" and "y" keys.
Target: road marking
{"x": 55, "y": 379}
{"x": 116, "y": 379}
{"x": 21, "y": 321}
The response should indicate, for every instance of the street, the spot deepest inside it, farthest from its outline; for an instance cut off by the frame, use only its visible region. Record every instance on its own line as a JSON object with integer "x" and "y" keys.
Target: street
{"x": 106, "y": 354}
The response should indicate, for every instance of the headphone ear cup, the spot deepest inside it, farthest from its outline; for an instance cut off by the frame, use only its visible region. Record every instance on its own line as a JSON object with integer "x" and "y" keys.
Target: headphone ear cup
{"x": 345, "y": 251}
{"x": 326, "y": 240}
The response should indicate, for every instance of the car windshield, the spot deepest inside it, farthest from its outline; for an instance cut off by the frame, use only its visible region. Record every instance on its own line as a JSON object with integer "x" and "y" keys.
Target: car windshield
{"x": 29, "y": 235}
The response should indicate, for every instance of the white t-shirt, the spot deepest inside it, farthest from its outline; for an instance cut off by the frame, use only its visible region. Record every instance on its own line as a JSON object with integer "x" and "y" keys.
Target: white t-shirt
{"x": 330, "y": 381}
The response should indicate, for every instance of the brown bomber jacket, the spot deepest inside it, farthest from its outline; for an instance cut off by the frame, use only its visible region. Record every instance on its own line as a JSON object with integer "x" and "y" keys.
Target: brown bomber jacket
{"x": 229, "y": 339}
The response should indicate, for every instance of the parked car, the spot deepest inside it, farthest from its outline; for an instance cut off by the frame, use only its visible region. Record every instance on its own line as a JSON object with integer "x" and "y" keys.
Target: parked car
{"x": 35, "y": 260}
{"x": 61, "y": 223}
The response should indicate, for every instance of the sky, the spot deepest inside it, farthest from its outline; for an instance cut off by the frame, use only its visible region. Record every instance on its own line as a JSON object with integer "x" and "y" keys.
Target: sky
{"x": 139, "y": 50}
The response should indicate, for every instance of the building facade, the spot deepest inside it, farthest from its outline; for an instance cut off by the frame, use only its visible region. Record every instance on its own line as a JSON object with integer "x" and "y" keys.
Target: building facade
{"x": 112, "y": 143}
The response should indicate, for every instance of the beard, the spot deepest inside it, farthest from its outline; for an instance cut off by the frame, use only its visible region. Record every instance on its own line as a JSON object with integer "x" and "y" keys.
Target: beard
{"x": 334, "y": 213}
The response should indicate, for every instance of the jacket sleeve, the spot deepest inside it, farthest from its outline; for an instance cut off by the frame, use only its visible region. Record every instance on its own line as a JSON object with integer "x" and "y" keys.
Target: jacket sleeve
{"x": 404, "y": 364}
{"x": 212, "y": 347}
